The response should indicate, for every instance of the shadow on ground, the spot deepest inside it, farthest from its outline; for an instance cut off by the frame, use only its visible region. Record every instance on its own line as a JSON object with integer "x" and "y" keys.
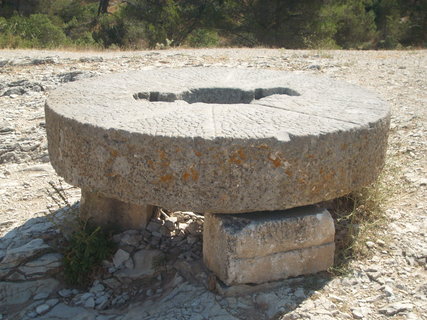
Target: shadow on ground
{"x": 152, "y": 274}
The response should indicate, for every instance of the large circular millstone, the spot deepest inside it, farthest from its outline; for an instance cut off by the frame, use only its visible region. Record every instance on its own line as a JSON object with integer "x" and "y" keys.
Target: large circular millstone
{"x": 215, "y": 139}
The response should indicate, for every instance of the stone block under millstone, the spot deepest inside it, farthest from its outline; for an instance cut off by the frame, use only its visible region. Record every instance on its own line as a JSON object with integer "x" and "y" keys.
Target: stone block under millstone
{"x": 265, "y": 246}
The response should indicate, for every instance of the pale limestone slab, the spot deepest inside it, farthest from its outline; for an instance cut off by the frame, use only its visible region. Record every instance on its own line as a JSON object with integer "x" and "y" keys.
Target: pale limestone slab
{"x": 280, "y": 265}
{"x": 259, "y": 247}
{"x": 15, "y": 293}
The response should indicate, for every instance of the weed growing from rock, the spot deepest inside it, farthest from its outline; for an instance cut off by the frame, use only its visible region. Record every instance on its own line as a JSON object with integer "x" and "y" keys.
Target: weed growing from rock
{"x": 359, "y": 217}
{"x": 84, "y": 247}
{"x": 84, "y": 252}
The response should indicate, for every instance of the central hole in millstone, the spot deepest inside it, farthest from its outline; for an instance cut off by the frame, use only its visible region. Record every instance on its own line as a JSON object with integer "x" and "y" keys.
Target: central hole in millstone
{"x": 215, "y": 95}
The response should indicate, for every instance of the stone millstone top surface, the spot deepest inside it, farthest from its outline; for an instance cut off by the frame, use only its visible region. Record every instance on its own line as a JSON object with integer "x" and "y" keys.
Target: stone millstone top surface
{"x": 215, "y": 139}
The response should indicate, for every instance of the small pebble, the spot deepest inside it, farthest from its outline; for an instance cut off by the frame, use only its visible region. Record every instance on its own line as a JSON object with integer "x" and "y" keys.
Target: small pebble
{"x": 43, "y": 308}
{"x": 370, "y": 244}
{"x": 52, "y": 302}
{"x": 41, "y": 296}
{"x": 89, "y": 303}
{"x": 65, "y": 293}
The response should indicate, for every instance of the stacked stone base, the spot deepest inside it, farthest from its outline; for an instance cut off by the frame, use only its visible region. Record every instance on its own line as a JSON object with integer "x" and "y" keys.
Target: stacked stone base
{"x": 113, "y": 213}
{"x": 266, "y": 246}
{"x": 249, "y": 248}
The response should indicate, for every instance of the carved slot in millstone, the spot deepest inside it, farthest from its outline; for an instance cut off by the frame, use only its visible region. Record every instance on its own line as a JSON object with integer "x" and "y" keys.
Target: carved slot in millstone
{"x": 215, "y": 95}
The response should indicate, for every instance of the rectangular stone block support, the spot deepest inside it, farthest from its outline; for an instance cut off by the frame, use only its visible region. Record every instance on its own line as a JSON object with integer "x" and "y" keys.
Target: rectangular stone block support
{"x": 114, "y": 213}
{"x": 265, "y": 246}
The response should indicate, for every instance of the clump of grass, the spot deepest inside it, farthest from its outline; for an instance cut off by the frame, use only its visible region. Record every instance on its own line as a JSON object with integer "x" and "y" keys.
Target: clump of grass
{"x": 84, "y": 246}
{"x": 84, "y": 252}
{"x": 359, "y": 217}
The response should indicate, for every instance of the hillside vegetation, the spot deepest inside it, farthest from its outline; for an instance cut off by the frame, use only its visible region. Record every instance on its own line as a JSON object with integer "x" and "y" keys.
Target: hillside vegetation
{"x": 136, "y": 24}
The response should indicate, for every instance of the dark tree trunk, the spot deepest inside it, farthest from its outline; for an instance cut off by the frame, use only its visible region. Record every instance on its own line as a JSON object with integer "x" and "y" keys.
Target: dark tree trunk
{"x": 103, "y": 6}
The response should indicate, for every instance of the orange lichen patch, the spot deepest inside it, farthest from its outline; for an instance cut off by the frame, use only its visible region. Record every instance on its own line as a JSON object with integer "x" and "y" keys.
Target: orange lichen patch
{"x": 194, "y": 174}
{"x": 162, "y": 154}
{"x": 277, "y": 162}
{"x": 237, "y": 157}
{"x": 166, "y": 178}
{"x": 327, "y": 177}
{"x": 262, "y": 146}
{"x": 110, "y": 174}
{"x": 235, "y": 160}
{"x": 197, "y": 153}
{"x": 150, "y": 163}
{"x": 241, "y": 154}
{"x": 186, "y": 176}
{"x": 288, "y": 172}
{"x": 165, "y": 163}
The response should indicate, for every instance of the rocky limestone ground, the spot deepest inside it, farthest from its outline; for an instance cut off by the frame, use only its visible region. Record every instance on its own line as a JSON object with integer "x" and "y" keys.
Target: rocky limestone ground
{"x": 157, "y": 273}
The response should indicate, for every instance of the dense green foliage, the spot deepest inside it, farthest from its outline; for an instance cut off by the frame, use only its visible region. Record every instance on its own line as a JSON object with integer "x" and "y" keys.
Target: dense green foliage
{"x": 358, "y": 24}
{"x": 84, "y": 252}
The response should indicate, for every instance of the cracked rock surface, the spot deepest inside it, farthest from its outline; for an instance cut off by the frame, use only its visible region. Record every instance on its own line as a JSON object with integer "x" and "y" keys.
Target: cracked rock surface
{"x": 389, "y": 283}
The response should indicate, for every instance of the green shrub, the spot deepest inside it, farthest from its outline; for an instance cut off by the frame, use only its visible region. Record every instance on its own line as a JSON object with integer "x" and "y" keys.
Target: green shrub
{"x": 203, "y": 38}
{"x": 135, "y": 35}
{"x": 86, "y": 40}
{"x": 36, "y": 31}
{"x": 78, "y": 19}
{"x": 354, "y": 25}
{"x": 110, "y": 31}
{"x": 83, "y": 253}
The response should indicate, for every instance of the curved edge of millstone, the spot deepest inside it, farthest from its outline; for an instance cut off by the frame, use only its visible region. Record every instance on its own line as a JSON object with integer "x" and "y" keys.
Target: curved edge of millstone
{"x": 320, "y": 158}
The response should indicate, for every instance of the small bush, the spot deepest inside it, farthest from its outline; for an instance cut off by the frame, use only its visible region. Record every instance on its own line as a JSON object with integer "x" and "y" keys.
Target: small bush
{"x": 84, "y": 246}
{"x": 358, "y": 218}
{"x": 203, "y": 38}
{"x": 35, "y": 31}
{"x": 110, "y": 31}
{"x": 86, "y": 40}
{"x": 83, "y": 253}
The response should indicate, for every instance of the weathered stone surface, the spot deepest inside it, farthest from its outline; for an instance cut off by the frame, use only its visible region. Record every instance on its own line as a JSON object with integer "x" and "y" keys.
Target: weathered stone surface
{"x": 260, "y": 247}
{"x": 145, "y": 263}
{"x": 208, "y": 140}
{"x": 21, "y": 292}
{"x": 17, "y": 255}
{"x": 62, "y": 311}
{"x": 114, "y": 213}
{"x": 45, "y": 264}
{"x": 120, "y": 257}
{"x": 281, "y": 265}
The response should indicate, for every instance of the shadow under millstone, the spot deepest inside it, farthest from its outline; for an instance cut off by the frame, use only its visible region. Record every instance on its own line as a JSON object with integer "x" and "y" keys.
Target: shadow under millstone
{"x": 156, "y": 273}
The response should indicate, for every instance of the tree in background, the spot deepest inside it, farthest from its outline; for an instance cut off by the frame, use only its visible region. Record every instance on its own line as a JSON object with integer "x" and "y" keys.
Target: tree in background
{"x": 348, "y": 24}
{"x": 35, "y": 31}
{"x": 414, "y": 17}
{"x": 280, "y": 23}
{"x": 103, "y": 6}
{"x": 353, "y": 22}
{"x": 173, "y": 21}
{"x": 387, "y": 20}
